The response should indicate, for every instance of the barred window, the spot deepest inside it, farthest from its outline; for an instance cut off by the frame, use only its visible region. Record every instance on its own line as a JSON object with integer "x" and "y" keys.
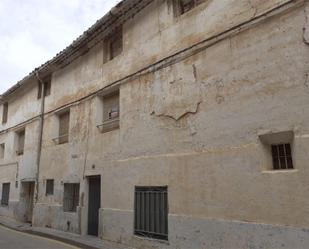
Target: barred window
{"x": 49, "y": 186}
{"x": 5, "y": 194}
{"x": 151, "y": 212}
{"x": 282, "y": 156}
{"x": 70, "y": 197}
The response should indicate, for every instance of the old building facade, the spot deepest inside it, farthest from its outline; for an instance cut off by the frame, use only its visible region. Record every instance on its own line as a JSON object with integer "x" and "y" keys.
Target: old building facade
{"x": 168, "y": 124}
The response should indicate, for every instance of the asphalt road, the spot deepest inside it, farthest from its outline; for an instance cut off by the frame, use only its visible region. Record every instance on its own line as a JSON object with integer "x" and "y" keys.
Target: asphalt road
{"x": 11, "y": 239}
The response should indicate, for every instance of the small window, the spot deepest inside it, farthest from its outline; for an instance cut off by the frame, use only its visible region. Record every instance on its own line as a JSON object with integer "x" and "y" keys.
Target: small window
{"x": 113, "y": 45}
{"x": 151, "y": 212}
{"x": 5, "y": 112}
{"x": 20, "y": 142}
{"x": 49, "y": 186}
{"x": 47, "y": 87}
{"x": 183, "y": 6}
{"x": 5, "y": 194}
{"x": 2, "y": 150}
{"x": 71, "y": 197}
{"x": 282, "y": 156}
{"x": 64, "y": 125}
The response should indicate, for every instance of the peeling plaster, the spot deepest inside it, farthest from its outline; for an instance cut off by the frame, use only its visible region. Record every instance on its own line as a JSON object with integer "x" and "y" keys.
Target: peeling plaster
{"x": 171, "y": 98}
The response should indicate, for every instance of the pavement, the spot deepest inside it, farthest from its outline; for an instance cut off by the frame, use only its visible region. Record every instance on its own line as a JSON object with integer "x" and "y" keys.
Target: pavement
{"x": 18, "y": 235}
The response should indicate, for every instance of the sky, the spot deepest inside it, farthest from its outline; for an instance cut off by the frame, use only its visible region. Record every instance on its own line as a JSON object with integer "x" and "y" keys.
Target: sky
{"x": 34, "y": 31}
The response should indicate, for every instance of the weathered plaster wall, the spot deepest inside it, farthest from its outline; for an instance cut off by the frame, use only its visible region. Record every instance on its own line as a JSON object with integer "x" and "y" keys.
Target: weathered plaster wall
{"x": 23, "y": 106}
{"x": 193, "y": 126}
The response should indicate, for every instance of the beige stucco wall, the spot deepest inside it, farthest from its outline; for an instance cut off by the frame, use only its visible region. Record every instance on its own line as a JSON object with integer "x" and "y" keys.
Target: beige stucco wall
{"x": 193, "y": 126}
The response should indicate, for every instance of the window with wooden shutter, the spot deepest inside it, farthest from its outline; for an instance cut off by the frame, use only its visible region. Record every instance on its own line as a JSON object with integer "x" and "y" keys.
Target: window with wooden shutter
{"x": 111, "y": 112}
{"x": 183, "y": 6}
{"x": 113, "y": 45}
{"x": 20, "y": 142}
{"x": 2, "y": 150}
{"x": 5, "y": 112}
{"x": 64, "y": 125}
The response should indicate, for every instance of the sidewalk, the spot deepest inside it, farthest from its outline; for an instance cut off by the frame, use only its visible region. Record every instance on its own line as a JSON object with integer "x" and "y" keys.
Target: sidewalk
{"x": 86, "y": 242}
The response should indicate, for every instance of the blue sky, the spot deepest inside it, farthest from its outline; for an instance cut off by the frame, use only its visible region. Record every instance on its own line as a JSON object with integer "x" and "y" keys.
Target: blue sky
{"x": 33, "y": 31}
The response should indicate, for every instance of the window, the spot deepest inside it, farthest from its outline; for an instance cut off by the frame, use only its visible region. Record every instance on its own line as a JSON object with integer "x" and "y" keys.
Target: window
{"x": 113, "y": 45}
{"x": 2, "y": 150}
{"x": 71, "y": 197}
{"x": 111, "y": 112}
{"x": 64, "y": 125}
{"x": 282, "y": 156}
{"x": 5, "y": 112}
{"x": 151, "y": 212}
{"x": 278, "y": 150}
{"x": 5, "y": 194}
{"x": 47, "y": 87}
{"x": 49, "y": 186}
{"x": 20, "y": 142}
{"x": 183, "y": 6}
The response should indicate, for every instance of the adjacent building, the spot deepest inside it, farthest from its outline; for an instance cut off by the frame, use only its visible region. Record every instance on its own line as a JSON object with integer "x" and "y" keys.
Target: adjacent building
{"x": 168, "y": 124}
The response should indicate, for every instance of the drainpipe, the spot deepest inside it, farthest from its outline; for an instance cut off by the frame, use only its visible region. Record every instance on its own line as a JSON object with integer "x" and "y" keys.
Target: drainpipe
{"x": 38, "y": 158}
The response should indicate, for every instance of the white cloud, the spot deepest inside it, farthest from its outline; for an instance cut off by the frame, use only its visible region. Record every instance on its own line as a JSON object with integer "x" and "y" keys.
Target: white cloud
{"x": 33, "y": 31}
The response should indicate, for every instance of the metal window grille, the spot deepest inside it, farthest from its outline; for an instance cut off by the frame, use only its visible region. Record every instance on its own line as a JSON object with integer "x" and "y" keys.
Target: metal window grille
{"x": 5, "y": 113}
{"x": 5, "y": 194}
{"x": 50, "y": 187}
{"x": 151, "y": 212}
{"x": 71, "y": 197}
{"x": 282, "y": 156}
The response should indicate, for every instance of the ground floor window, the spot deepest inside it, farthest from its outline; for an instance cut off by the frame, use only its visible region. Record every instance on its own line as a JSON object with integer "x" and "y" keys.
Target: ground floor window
{"x": 151, "y": 212}
{"x": 5, "y": 194}
{"x": 70, "y": 197}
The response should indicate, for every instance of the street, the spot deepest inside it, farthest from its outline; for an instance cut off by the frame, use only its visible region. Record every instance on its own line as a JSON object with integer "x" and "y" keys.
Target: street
{"x": 11, "y": 239}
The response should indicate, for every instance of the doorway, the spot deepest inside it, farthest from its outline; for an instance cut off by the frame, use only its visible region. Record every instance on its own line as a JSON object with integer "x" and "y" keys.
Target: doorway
{"x": 27, "y": 196}
{"x": 94, "y": 204}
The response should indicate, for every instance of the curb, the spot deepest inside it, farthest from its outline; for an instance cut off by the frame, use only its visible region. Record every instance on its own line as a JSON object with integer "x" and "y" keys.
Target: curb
{"x": 49, "y": 236}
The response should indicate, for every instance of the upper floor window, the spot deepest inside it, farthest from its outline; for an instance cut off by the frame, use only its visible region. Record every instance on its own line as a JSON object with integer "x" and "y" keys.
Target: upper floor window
{"x": 110, "y": 112}
{"x": 20, "y": 142}
{"x": 64, "y": 126}
{"x": 2, "y": 150}
{"x": 183, "y": 6}
{"x": 47, "y": 87}
{"x": 5, "y": 110}
{"x": 113, "y": 45}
